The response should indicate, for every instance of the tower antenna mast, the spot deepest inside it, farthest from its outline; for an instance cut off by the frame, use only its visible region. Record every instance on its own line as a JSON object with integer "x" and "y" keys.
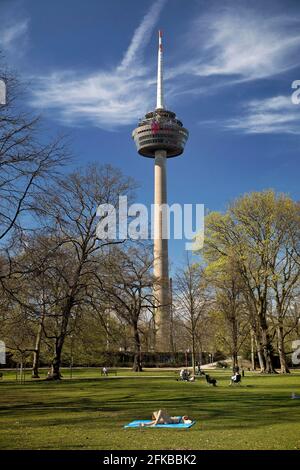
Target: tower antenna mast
{"x": 160, "y": 91}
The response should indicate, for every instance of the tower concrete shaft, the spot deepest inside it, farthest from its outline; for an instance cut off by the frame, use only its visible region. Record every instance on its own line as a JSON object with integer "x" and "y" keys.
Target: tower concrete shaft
{"x": 161, "y": 260}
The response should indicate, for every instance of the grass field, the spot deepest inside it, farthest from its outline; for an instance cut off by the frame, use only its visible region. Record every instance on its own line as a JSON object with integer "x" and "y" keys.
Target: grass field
{"x": 88, "y": 412}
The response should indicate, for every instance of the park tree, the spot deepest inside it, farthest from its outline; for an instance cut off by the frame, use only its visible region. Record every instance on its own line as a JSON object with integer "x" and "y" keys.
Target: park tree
{"x": 32, "y": 288}
{"x": 24, "y": 306}
{"x": 229, "y": 307}
{"x": 48, "y": 263}
{"x": 17, "y": 331}
{"x": 68, "y": 213}
{"x": 285, "y": 274}
{"x": 127, "y": 290}
{"x": 26, "y": 162}
{"x": 97, "y": 334}
{"x": 252, "y": 234}
{"x": 192, "y": 298}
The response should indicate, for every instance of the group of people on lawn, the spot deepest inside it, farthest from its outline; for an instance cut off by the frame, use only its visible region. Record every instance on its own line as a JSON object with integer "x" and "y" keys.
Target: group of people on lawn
{"x": 162, "y": 417}
{"x": 186, "y": 375}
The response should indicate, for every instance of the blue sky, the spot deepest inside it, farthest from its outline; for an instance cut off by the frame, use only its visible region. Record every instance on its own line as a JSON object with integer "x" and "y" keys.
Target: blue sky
{"x": 91, "y": 69}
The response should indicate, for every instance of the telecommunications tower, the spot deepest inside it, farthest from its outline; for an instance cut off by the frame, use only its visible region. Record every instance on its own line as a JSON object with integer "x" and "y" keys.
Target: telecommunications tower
{"x": 160, "y": 135}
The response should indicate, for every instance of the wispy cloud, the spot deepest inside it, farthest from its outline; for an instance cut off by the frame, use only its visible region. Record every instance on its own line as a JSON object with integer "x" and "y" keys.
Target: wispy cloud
{"x": 233, "y": 45}
{"x": 244, "y": 43}
{"x": 274, "y": 115}
{"x": 13, "y": 35}
{"x": 106, "y": 98}
{"x": 141, "y": 37}
{"x": 241, "y": 45}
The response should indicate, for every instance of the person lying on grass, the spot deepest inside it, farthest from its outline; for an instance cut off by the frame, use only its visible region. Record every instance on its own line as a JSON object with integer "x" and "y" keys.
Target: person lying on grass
{"x": 162, "y": 417}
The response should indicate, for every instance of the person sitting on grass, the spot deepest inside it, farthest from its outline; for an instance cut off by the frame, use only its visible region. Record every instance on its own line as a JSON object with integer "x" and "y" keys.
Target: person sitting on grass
{"x": 236, "y": 378}
{"x": 162, "y": 417}
{"x": 184, "y": 374}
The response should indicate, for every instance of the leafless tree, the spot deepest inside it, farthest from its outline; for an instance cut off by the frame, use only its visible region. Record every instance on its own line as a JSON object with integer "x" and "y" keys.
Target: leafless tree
{"x": 25, "y": 161}
{"x": 192, "y": 299}
{"x": 68, "y": 212}
{"x": 127, "y": 287}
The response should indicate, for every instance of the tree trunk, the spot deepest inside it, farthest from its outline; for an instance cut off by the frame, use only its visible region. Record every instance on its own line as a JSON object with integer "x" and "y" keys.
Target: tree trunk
{"x": 234, "y": 329}
{"x": 266, "y": 346}
{"x": 56, "y": 362}
{"x": 193, "y": 353}
{"x": 35, "y": 363}
{"x": 253, "y": 366}
{"x": 234, "y": 361}
{"x": 36, "y": 352}
{"x": 200, "y": 356}
{"x": 281, "y": 351}
{"x": 137, "y": 364}
{"x": 259, "y": 354}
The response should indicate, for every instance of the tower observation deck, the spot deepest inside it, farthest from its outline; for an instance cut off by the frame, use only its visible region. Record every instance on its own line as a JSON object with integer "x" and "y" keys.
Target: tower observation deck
{"x": 160, "y": 135}
{"x": 160, "y": 129}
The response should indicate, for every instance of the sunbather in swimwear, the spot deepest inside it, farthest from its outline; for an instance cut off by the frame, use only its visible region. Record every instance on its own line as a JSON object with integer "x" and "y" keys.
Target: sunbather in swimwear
{"x": 162, "y": 417}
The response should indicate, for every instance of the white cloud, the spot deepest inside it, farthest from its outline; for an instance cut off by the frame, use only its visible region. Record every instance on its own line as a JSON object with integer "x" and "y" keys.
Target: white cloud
{"x": 243, "y": 43}
{"x": 106, "y": 98}
{"x": 13, "y": 35}
{"x": 142, "y": 36}
{"x": 267, "y": 116}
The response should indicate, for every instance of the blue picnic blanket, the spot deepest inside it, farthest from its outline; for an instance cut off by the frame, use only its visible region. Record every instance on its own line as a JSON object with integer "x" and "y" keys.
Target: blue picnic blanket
{"x": 137, "y": 424}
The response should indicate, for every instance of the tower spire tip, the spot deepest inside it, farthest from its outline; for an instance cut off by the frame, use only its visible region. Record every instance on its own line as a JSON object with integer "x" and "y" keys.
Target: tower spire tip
{"x": 160, "y": 99}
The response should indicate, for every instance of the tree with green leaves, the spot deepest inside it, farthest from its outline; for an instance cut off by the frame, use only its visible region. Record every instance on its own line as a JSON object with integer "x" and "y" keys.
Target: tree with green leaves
{"x": 253, "y": 234}
{"x": 229, "y": 308}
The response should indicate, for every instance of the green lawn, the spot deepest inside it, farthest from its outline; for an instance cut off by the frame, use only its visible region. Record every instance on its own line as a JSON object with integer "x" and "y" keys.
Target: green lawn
{"x": 89, "y": 412}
